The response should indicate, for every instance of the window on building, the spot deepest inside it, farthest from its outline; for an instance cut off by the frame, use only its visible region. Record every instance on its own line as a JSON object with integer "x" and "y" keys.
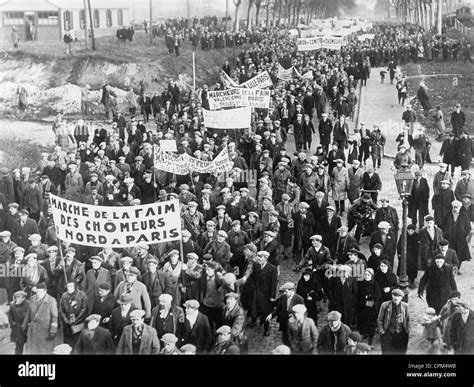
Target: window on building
{"x": 13, "y": 18}
{"x": 108, "y": 17}
{"x": 48, "y": 18}
{"x": 120, "y": 17}
{"x": 68, "y": 20}
{"x": 96, "y": 18}
{"x": 82, "y": 19}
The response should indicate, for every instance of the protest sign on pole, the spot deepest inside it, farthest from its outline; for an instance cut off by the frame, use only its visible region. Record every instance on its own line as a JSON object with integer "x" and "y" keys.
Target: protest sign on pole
{"x": 227, "y": 81}
{"x": 327, "y": 42}
{"x": 227, "y": 119}
{"x": 260, "y": 81}
{"x": 117, "y": 227}
{"x": 168, "y": 145}
{"x": 238, "y": 97}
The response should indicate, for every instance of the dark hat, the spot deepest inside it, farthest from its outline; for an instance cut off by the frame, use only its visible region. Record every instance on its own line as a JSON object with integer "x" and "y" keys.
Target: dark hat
{"x": 207, "y": 257}
{"x": 24, "y": 211}
{"x": 125, "y": 298}
{"x": 378, "y": 246}
{"x": 411, "y": 227}
{"x": 41, "y": 285}
{"x": 467, "y": 195}
{"x": 443, "y": 242}
{"x": 251, "y": 247}
{"x": 133, "y": 271}
{"x": 72, "y": 249}
{"x": 429, "y": 218}
{"x": 105, "y": 286}
{"x": 96, "y": 258}
{"x": 454, "y": 294}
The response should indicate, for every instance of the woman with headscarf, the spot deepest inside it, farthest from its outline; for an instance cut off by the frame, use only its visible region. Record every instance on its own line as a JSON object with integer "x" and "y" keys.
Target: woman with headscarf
{"x": 386, "y": 279}
{"x": 368, "y": 296}
{"x": 310, "y": 289}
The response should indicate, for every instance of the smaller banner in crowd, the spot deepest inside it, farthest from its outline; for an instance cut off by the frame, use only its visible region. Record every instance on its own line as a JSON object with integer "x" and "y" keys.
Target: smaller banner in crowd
{"x": 237, "y": 97}
{"x": 227, "y": 119}
{"x": 184, "y": 164}
{"x": 365, "y": 37}
{"x": 259, "y": 81}
{"x": 227, "y": 81}
{"x": 284, "y": 74}
{"x": 116, "y": 227}
{"x": 326, "y": 42}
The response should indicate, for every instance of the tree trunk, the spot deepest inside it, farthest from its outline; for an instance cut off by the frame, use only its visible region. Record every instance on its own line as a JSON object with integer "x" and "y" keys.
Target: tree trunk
{"x": 248, "y": 14}
{"x": 257, "y": 12}
{"x": 280, "y": 7}
{"x": 268, "y": 14}
{"x": 235, "y": 17}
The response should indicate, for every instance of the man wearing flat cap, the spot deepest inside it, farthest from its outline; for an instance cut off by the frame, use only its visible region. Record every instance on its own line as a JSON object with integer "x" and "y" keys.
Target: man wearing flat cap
{"x": 263, "y": 282}
{"x": 430, "y": 236}
{"x": 94, "y": 277}
{"x": 16, "y": 314}
{"x": 344, "y": 244}
{"x": 386, "y": 238}
{"x": 137, "y": 290}
{"x": 393, "y": 324}
{"x": 138, "y": 338}
{"x": 465, "y": 185}
{"x": 197, "y": 330}
{"x": 94, "y": 339}
{"x": 304, "y": 225}
{"x": 283, "y": 308}
{"x": 333, "y": 337}
{"x": 167, "y": 318}
{"x": 156, "y": 281}
{"x": 457, "y": 230}
{"x": 271, "y": 244}
{"x": 193, "y": 221}
{"x": 220, "y": 250}
{"x": 73, "y": 268}
{"x": 41, "y": 322}
{"x": 23, "y": 228}
{"x": 224, "y": 343}
{"x": 73, "y": 308}
{"x": 302, "y": 331}
{"x": 441, "y": 203}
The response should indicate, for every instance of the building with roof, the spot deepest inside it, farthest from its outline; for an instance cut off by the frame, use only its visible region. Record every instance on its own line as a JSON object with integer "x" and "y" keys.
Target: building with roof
{"x": 50, "y": 19}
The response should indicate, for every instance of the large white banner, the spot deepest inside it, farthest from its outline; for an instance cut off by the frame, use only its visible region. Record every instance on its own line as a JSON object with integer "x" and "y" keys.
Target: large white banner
{"x": 227, "y": 119}
{"x": 259, "y": 81}
{"x": 116, "y": 227}
{"x": 184, "y": 164}
{"x": 237, "y": 97}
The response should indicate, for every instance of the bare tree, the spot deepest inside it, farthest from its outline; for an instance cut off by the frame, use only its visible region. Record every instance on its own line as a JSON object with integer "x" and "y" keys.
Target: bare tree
{"x": 258, "y": 5}
{"x": 248, "y": 13}
{"x": 237, "y": 5}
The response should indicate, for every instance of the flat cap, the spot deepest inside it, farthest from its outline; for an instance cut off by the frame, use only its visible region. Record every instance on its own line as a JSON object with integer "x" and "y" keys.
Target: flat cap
{"x": 224, "y": 329}
{"x": 5, "y": 233}
{"x": 152, "y": 260}
{"x": 398, "y": 292}
{"x": 105, "y": 286}
{"x": 222, "y": 233}
{"x": 96, "y": 258}
{"x": 137, "y": 313}
{"x": 251, "y": 247}
{"x": 70, "y": 249}
{"x": 191, "y": 304}
{"x": 62, "y": 349}
{"x": 334, "y": 315}
{"x": 270, "y": 234}
{"x": 304, "y": 205}
{"x": 287, "y": 286}
{"x": 264, "y": 254}
{"x": 126, "y": 259}
{"x": 299, "y": 308}
{"x": 383, "y": 225}
{"x": 169, "y": 338}
{"x": 330, "y": 208}
{"x": 20, "y": 293}
{"x": 133, "y": 271}
{"x": 166, "y": 298}
{"x": 185, "y": 233}
{"x": 96, "y": 317}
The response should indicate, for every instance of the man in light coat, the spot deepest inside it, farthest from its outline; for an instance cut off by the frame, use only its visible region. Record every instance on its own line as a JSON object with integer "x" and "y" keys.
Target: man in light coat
{"x": 138, "y": 338}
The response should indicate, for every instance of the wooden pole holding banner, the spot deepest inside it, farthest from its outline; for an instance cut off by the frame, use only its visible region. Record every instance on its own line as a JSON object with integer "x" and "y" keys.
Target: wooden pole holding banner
{"x": 63, "y": 261}
{"x": 85, "y": 23}
{"x": 194, "y": 70}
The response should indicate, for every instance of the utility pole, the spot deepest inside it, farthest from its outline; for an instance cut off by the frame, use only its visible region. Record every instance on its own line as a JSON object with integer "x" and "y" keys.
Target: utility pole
{"x": 440, "y": 16}
{"x": 151, "y": 20}
{"x": 189, "y": 13}
{"x": 85, "y": 23}
{"x": 92, "y": 24}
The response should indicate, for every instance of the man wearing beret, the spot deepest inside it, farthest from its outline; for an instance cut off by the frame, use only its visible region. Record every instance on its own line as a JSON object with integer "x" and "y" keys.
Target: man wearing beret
{"x": 394, "y": 324}
{"x": 23, "y": 228}
{"x": 94, "y": 277}
{"x": 138, "y": 338}
{"x": 283, "y": 308}
{"x": 94, "y": 340}
{"x": 41, "y": 322}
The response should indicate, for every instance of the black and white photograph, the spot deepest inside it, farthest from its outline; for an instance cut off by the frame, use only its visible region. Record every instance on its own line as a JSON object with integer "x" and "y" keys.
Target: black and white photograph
{"x": 237, "y": 177}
